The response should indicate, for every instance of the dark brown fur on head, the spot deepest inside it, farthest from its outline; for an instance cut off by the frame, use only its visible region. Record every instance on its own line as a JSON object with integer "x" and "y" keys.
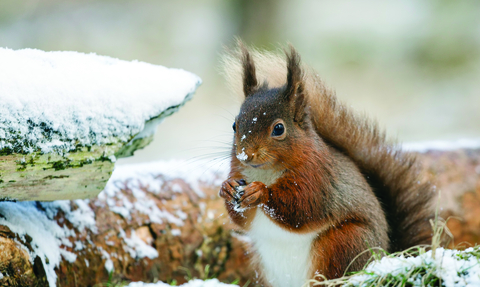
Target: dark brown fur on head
{"x": 264, "y": 106}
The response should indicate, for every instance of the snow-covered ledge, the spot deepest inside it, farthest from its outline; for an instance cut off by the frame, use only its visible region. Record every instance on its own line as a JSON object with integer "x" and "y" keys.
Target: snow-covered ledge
{"x": 65, "y": 117}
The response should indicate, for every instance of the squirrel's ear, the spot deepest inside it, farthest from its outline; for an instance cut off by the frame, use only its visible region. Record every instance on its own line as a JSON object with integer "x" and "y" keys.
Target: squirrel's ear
{"x": 300, "y": 105}
{"x": 250, "y": 84}
{"x": 295, "y": 93}
{"x": 294, "y": 73}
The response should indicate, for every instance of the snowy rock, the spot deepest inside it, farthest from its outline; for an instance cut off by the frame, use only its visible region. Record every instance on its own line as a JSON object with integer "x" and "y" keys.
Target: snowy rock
{"x": 65, "y": 117}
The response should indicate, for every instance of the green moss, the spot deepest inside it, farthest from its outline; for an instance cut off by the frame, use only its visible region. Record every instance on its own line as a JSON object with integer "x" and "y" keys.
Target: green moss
{"x": 56, "y": 176}
{"x": 134, "y": 145}
{"x": 31, "y": 161}
{"x": 22, "y": 164}
{"x": 6, "y": 151}
{"x": 80, "y": 174}
{"x": 61, "y": 164}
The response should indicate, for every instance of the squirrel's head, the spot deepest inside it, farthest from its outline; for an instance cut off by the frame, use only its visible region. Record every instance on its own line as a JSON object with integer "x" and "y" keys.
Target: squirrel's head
{"x": 272, "y": 121}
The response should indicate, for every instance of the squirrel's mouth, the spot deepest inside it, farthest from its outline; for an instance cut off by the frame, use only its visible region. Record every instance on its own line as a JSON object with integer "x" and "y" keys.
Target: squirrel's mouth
{"x": 257, "y": 165}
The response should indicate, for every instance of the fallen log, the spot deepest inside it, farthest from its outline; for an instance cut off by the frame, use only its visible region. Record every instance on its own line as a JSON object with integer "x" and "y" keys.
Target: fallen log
{"x": 456, "y": 175}
{"x": 164, "y": 221}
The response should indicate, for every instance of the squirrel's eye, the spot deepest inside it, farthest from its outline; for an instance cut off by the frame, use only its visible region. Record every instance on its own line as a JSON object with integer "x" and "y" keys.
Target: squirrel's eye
{"x": 234, "y": 127}
{"x": 278, "y": 130}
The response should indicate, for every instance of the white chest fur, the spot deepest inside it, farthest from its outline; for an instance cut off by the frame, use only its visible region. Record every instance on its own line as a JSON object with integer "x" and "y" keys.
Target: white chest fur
{"x": 285, "y": 256}
{"x": 267, "y": 176}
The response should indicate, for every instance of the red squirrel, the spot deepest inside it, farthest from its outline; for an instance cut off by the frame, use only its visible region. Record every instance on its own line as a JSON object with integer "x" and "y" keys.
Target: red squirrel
{"x": 312, "y": 183}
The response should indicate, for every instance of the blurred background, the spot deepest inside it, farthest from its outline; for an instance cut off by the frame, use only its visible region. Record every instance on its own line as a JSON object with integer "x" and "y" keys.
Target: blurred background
{"x": 412, "y": 65}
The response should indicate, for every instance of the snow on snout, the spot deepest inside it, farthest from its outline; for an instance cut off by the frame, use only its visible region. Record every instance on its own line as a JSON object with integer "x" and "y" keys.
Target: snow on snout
{"x": 242, "y": 156}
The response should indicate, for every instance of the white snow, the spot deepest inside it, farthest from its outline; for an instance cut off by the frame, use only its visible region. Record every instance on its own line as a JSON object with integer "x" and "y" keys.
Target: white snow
{"x": 79, "y": 245}
{"x": 176, "y": 188}
{"x": 24, "y": 218}
{"x": 146, "y": 175}
{"x": 82, "y": 217}
{"x": 136, "y": 247}
{"x": 108, "y": 261}
{"x": 442, "y": 145}
{"x": 192, "y": 283}
{"x": 109, "y": 265}
{"x": 242, "y": 156}
{"x": 53, "y": 101}
{"x": 447, "y": 265}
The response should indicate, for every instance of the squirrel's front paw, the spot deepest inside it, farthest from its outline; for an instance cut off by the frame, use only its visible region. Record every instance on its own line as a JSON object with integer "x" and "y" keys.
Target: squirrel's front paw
{"x": 229, "y": 189}
{"x": 254, "y": 194}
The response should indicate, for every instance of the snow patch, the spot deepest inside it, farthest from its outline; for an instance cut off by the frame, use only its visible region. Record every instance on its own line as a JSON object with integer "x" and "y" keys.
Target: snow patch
{"x": 108, "y": 261}
{"x": 82, "y": 217}
{"x": 455, "y": 268}
{"x": 146, "y": 175}
{"x": 25, "y": 218}
{"x": 54, "y": 101}
{"x": 136, "y": 247}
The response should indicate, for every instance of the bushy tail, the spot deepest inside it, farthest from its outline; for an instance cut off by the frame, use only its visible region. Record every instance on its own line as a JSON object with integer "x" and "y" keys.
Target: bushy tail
{"x": 393, "y": 174}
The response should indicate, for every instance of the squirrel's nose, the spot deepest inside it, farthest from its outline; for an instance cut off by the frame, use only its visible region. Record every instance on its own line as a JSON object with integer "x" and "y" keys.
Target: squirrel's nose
{"x": 245, "y": 155}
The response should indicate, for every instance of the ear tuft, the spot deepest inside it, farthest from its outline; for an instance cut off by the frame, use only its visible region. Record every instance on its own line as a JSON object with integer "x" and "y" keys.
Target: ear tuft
{"x": 295, "y": 91}
{"x": 250, "y": 83}
{"x": 294, "y": 73}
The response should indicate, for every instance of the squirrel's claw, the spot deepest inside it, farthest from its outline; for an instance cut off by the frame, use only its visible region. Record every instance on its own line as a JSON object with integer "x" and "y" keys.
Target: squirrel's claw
{"x": 254, "y": 194}
{"x": 228, "y": 190}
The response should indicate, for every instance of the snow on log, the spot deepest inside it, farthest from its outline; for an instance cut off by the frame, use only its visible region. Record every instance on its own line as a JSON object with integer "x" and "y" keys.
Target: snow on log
{"x": 164, "y": 221}
{"x": 154, "y": 221}
{"x": 65, "y": 117}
